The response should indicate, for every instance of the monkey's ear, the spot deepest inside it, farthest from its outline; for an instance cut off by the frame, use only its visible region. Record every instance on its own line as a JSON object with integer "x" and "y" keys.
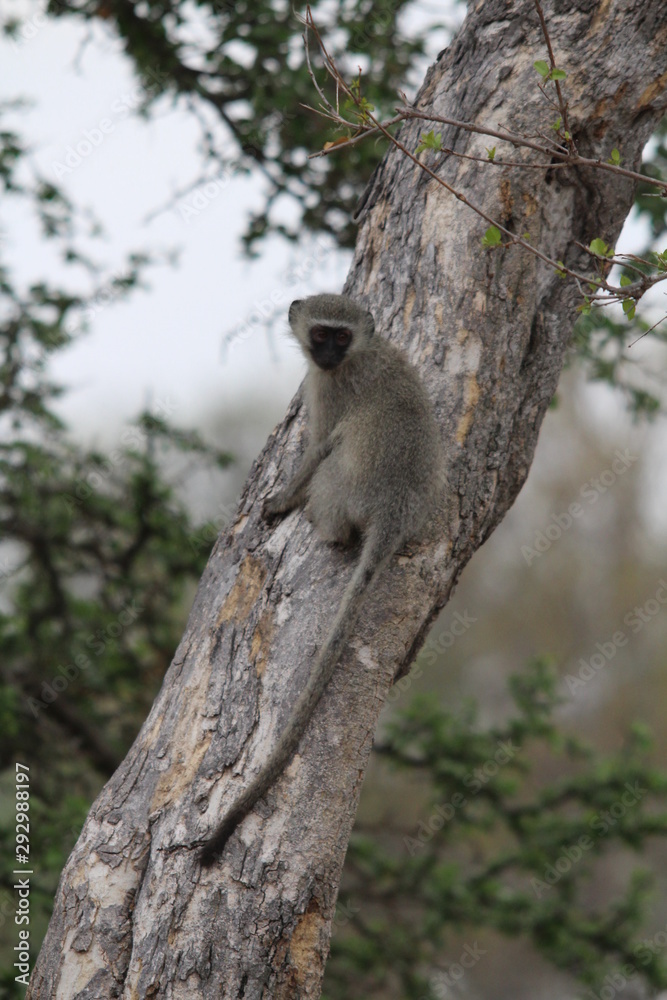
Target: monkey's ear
{"x": 370, "y": 328}
{"x": 293, "y": 310}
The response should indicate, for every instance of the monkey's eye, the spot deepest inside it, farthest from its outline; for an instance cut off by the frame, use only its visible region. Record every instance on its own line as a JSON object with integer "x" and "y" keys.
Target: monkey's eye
{"x": 343, "y": 337}
{"x": 319, "y": 334}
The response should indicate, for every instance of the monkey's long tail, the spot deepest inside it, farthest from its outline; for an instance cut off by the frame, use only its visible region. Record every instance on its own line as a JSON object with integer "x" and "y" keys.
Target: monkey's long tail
{"x": 378, "y": 548}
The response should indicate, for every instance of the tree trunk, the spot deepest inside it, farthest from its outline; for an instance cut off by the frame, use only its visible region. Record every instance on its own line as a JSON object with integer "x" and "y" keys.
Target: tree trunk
{"x": 135, "y": 915}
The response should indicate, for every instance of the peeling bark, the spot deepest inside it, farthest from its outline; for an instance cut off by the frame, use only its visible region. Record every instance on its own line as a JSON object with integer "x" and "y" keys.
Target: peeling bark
{"x": 135, "y": 915}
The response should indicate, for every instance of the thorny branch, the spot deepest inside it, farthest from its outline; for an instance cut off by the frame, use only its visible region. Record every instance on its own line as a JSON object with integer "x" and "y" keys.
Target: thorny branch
{"x": 363, "y": 123}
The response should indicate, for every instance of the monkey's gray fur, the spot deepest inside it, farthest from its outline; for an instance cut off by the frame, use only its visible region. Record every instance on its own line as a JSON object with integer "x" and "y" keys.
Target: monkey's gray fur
{"x": 373, "y": 467}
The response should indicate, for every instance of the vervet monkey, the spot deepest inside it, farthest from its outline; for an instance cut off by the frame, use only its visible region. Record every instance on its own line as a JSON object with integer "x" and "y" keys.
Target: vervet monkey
{"x": 372, "y": 469}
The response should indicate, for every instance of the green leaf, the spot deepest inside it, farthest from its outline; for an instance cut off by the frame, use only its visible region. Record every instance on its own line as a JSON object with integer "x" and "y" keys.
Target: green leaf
{"x": 585, "y": 307}
{"x": 661, "y": 260}
{"x": 491, "y": 153}
{"x": 429, "y": 140}
{"x": 558, "y": 74}
{"x": 625, "y": 280}
{"x": 557, "y": 124}
{"x": 563, "y": 273}
{"x": 629, "y": 306}
{"x": 542, "y": 68}
{"x": 599, "y": 247}
{"x": 615, "y": 157}
{"x": 492, "y": 237}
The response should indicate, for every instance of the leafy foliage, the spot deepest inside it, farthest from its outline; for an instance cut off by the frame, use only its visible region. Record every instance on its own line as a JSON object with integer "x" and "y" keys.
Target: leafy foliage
{"x": 603, "y": 343}
{"x": 498, "y": 851}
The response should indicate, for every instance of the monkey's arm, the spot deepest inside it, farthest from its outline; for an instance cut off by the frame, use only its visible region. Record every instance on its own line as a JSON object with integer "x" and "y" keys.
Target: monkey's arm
{"x": 294, "y": 494}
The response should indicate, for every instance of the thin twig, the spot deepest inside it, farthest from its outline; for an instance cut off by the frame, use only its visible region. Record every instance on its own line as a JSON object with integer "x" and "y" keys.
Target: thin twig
{"x": 502, "y": 163}
{"x": 502, "y": 134}
{"x": 311, "y": 72}
{"x": 621, "y": 259}
{"x": 353, "y": 140}
{"x": 517, "y": 140}
{"x": 552, "y": 59}
{"x": 646, "y": 332}
{"x": 554, "y": 150}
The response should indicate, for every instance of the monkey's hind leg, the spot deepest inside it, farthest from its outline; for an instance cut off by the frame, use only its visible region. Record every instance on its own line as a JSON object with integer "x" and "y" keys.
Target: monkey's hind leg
{"x": 330, "y": 517}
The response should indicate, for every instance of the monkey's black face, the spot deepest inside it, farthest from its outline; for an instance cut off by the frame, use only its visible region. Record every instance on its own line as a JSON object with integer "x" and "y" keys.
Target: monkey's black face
{"x": 328, "y": 345}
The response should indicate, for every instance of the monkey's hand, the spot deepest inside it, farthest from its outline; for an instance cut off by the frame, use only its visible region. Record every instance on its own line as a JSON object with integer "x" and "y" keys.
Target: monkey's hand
{"x": 277, "y": 505}
{"x": 294, "y": 494}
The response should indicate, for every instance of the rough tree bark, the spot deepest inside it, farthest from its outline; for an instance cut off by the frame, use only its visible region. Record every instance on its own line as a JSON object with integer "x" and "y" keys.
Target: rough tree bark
{"x": 135, "y": 915}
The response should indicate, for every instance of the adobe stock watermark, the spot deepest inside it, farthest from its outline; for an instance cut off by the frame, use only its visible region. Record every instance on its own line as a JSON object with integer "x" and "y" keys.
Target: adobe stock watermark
{"x": 30, "y": 27}
{"x": 92, "y": 138}
{"x": 191, "y": 206}
{"x": 458, "y": 626}
{"x": 114, "y": 287}
{"x": 635, "y": 620}
{"x": 205, "y": 536}
{"x": 263, "y": 313}
{"x": 473, "y": 781}
{"x": 443, "y": 982}
{"x": 96, "y": 643}
{"x": 345, "y": 912}
{"x": 599, "y": 825}
{"x": 299, "y": 271}
{"x": 590, "y": 492}
{"x": 267, "y": 310}
{"x": 644, "y": 953}
{"x": 131, "y": 437}
{"x": 363, "y": 36}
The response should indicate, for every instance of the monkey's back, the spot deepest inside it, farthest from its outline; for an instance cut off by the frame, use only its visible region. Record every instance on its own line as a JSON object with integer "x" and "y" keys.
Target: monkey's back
{"x": 384, "y": 468}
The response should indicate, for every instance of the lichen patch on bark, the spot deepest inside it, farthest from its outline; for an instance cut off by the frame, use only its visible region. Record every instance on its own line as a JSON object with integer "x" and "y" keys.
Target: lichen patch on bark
{"x": 653, "y": 90}
{"x": 244, "y": 593}
{"x": 190, "y": 740}
{"x": 306, "y": 943}
{"x": 471, "y": 397}
{"x": 261, "y": 641}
